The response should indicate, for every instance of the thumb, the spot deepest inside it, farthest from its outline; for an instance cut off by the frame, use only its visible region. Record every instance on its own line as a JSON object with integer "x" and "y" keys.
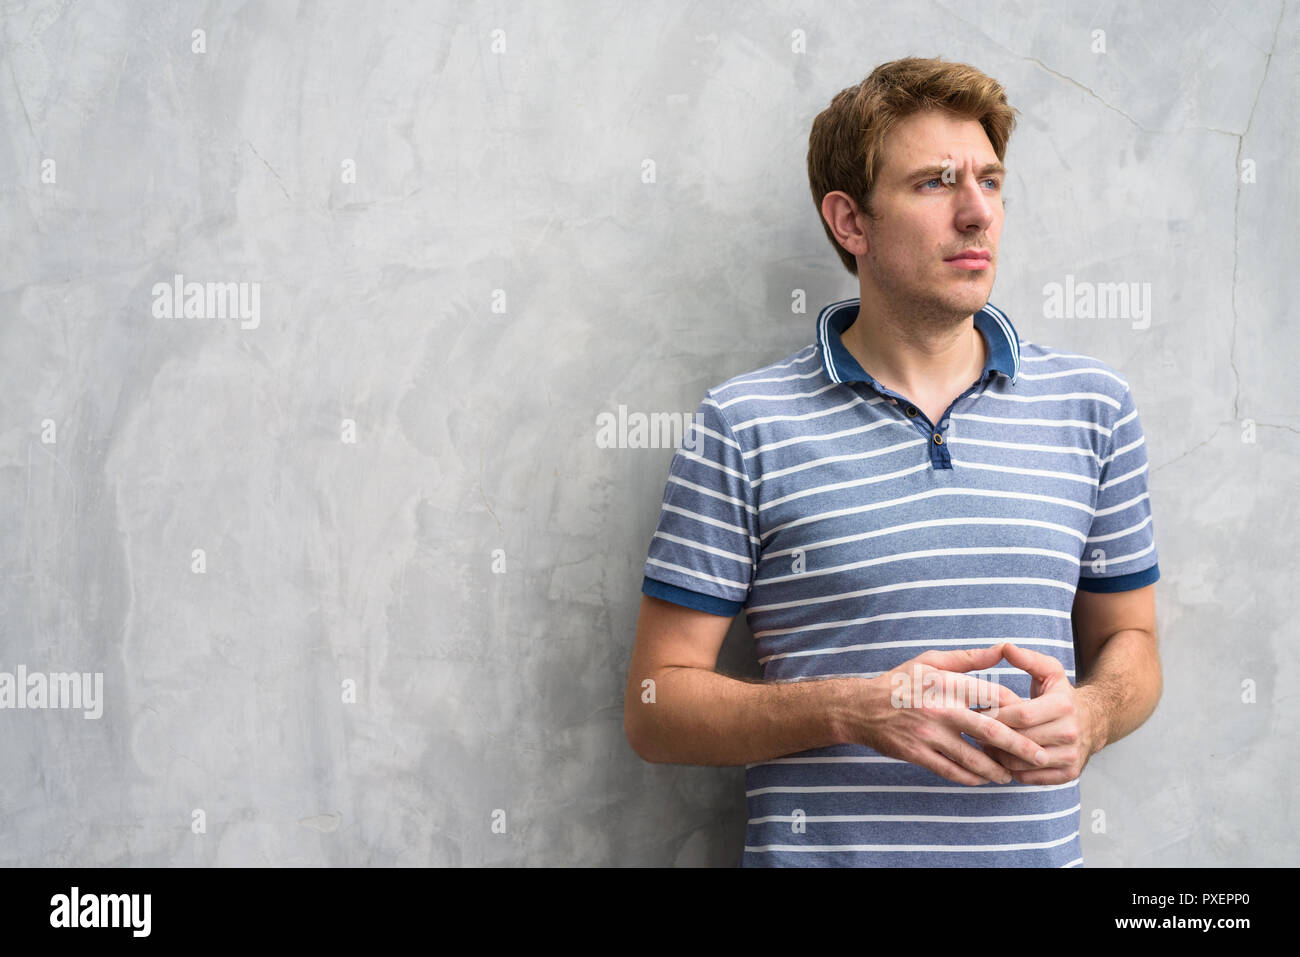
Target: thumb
{"x": 963, "y": 659}
{"x": 1036, "y": 663}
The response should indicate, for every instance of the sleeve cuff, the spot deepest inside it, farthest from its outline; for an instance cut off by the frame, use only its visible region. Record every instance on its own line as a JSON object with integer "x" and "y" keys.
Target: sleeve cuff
{"x": 691, "y": 599}
{"x": 1120, "y": 582}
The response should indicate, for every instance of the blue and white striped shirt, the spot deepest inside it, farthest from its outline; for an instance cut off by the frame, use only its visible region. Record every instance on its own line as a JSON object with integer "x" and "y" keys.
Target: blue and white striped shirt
{"x": 856, "y": 535}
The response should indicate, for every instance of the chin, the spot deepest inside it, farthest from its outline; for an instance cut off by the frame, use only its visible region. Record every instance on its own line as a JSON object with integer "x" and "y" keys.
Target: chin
{"x": 967, "y": 302}
{"x": 973, "y": 296}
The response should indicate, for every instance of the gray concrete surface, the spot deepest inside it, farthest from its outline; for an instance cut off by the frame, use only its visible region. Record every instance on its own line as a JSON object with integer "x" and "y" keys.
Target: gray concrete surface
{"x": 359, "y": 581}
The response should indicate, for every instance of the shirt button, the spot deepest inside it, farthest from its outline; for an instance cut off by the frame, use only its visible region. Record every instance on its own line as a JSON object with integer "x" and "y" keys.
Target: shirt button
{"x": 911, "y": 410}
{"x": 938, "y": 439}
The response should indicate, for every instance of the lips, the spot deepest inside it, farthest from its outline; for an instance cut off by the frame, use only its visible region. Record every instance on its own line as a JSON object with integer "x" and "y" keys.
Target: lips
{"x": 972, "y": 255}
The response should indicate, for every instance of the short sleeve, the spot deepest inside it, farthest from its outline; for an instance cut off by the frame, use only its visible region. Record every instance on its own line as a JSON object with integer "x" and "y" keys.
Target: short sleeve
{"x": 704, "y": 551}
{"x": 1120, "y": 553}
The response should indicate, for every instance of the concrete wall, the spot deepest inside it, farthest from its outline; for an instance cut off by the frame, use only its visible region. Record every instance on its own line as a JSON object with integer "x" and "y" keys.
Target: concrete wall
{"x": 352, "y": 566}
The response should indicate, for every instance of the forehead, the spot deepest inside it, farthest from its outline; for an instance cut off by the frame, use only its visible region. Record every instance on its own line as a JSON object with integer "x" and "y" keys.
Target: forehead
{"x": 934, "y": 136}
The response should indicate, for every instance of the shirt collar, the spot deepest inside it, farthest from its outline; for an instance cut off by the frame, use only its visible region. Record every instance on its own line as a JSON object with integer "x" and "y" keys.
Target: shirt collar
{"x": 840, "y": 366}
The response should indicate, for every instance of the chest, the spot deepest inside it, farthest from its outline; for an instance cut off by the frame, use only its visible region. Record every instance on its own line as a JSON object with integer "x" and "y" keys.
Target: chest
{"x": 870, "y": 510}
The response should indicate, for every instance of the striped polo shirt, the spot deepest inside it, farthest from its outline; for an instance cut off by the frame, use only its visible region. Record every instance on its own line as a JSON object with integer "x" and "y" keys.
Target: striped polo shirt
{"x": 856, "y": 534}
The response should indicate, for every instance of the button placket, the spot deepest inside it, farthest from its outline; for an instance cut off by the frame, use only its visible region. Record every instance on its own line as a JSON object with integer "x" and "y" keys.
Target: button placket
{"x": 939, "y": 457}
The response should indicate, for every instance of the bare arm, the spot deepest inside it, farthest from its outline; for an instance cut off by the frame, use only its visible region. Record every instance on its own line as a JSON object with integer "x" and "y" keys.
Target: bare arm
{"x": 677, "y": 709}
{"x": 693, "y": 715}
{"x": 1119, "y": 679}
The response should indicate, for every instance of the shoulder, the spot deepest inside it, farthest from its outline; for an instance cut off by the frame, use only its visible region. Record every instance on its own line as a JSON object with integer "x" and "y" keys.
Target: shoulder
{"x": 775, "y": 385}
{"x": 1046, "y": 369}
{"x": 1085, "y": 388}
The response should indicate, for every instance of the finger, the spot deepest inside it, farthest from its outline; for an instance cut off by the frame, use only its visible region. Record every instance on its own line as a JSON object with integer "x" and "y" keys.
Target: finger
{"x": 962, "y": 659}
{"x": 945, "y": 767}
{"x": 1046, "y": 776}
{"x": 1008, "y": 761}
{"x": 1032, "y": 712}
{"x": 930, "y": 686}
{"x": 1063, "y": 731}
{"x": 972, "y": 759}
{"x": 963, "y": 690}
{"x": 1039, "y": 665}
{"x": 988, "y": 730}
{"x": 1059, "y": 756}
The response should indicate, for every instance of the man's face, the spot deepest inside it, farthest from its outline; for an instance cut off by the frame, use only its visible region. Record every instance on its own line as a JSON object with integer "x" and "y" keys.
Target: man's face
{"x": 938, "y": 194}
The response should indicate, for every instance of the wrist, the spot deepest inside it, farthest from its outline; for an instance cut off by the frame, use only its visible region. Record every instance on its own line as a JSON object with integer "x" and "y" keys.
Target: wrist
{"x": 1092, "y": 721}
{"x": 845, "y": 709}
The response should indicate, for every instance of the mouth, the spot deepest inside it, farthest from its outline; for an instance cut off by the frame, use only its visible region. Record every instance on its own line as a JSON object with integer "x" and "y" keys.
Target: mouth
{"x": 971, "y": 259}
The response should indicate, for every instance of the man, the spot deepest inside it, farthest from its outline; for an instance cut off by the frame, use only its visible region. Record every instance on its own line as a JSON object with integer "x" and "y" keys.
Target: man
{"x": 940, "y": 532}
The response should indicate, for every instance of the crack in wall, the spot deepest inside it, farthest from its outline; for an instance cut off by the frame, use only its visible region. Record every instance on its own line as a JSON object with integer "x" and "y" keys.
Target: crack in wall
{"x": 1236, "y": 206}
{"x": 1239, "y": 136}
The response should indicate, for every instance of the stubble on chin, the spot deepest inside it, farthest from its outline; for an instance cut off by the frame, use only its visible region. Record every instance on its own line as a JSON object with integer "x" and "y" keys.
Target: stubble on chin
{"x": 924, "y": 306}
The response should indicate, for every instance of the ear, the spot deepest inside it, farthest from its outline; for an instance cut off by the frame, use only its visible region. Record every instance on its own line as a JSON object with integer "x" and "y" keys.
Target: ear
{"x": 846, "y": 222}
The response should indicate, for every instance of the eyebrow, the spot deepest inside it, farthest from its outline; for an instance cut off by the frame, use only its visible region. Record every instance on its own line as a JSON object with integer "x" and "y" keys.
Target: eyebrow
{"x": 929, "y": 171}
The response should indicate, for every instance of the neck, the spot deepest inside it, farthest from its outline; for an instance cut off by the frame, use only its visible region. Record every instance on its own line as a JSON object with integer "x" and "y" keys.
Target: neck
{"x": 916, "y": 352}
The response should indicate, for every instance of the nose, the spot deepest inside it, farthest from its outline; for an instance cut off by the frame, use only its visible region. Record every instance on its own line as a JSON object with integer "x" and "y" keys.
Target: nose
{"x": 974, "y": 208}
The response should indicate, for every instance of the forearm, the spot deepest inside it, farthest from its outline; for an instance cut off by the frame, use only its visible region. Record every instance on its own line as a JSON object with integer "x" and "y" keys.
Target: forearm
{"x": 702, "y": 717}
{"x": 1121, "y": 689}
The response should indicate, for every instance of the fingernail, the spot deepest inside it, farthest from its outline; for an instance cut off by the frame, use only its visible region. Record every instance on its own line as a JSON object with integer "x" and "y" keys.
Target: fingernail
{"x": 1040, "y": 757}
